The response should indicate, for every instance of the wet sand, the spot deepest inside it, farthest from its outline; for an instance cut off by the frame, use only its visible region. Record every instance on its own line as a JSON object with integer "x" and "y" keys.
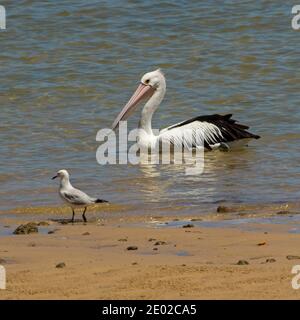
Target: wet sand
{"x": 190, "y": 263}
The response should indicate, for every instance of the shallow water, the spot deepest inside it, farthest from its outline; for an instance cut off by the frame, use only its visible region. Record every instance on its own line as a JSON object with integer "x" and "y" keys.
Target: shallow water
{"x": 67, "y": 68}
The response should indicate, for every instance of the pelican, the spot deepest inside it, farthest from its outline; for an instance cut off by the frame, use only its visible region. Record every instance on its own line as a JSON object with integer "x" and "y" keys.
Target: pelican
{"x": 211, "y": 131}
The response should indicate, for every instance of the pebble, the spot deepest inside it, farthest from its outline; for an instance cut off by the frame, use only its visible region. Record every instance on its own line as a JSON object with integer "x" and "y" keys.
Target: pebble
{"x": 283, "y": 212}
{"x": 28, "y": 228}
{"x": 242, "y": 262}
{"x": 290, "y": 257}
{"x": 132, "y": 248}
{"x": 223, "y": 209}
{"x": 189, "y": 225}
{"x": 60, "y": 265}
{"x": 43, "y": 224}
{"x": 261, "y": 243}
{"x": 271, "y": 260}
{"x": 31, "y": 244}
{"x": 86, "y": 234}
{"x": 159, "y": 243}
{"x": 123, "y": 240}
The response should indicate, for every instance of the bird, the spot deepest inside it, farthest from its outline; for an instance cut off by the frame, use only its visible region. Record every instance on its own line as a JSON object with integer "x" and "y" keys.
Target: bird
{"x": 75, "y": 198}
{"x": 208, "y": 132}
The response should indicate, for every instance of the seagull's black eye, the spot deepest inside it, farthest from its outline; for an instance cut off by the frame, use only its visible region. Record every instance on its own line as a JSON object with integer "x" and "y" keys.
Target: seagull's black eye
{"x": 147, "y": 81}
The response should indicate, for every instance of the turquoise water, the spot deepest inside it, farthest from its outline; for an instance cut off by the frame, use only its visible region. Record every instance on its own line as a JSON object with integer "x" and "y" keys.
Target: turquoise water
{"x": 68, "y": 67}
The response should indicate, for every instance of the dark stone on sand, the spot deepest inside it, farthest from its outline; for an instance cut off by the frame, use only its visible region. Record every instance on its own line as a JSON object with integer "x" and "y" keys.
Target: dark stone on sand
{"x": 134, "y": 263}
{"x": 31, "y": 244}
{"x": 151, "y": 239}
{"x": 159, "y": 243}
{"x": 86, "y": 234}
{"x": 196, "y": 219}
{"x": 283, "y": 212}
{"x": 291, "y": 257}
{"x": 43, "y": 224}
{"x": 270, "y": 260}
{"x": 242, "y": 262}
{"x": 132, "y": 248}
{"x": 123, "y": 240}
{"x": 223, "y": 209}
{"x": 60, "y": 265}
{"x": 28, "y": 228}
{"x": 51, "y": 232}
{"x": 189, "y": 225}
{"x": 155, "y": 249}
{"x": 261, "y": 244}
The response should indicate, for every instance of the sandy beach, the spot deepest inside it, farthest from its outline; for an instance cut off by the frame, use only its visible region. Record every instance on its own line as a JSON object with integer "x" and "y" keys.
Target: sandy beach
{"x": 171, "y": 262}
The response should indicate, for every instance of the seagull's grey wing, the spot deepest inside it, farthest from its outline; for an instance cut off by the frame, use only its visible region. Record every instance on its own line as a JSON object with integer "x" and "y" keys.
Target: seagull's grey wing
{"x": 76, "y": 197}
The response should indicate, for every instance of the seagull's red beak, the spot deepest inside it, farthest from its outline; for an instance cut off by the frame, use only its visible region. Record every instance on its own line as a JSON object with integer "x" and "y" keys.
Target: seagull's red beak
{"x": 142, "y": 92}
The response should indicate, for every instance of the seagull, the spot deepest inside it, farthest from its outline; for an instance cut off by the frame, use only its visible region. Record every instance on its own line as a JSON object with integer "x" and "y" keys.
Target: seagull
{"x": 75, "y": 198}
{"x": 210, "y": 131}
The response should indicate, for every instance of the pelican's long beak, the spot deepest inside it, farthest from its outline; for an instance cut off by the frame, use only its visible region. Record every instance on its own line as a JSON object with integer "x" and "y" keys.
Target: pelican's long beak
{"x": 143, "y": 91}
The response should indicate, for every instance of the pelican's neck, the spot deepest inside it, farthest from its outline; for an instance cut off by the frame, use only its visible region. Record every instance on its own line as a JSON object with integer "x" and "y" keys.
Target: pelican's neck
{"x": 150, "y": 107}
{"x": 65, "y": 182}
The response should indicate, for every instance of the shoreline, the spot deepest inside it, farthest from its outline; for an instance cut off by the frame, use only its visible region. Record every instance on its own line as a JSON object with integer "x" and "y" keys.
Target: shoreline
{"x": 170, "y": 262}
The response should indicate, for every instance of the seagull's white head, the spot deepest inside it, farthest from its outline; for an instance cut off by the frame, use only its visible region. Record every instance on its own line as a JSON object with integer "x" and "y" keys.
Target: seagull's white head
{"x": 151, "y": 82}
{"x": 61, "y": 174}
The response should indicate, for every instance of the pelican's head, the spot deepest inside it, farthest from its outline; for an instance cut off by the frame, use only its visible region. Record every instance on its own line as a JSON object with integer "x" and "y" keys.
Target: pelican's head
{"x": 61, "y": 174}
{"x": 150, "y": 83}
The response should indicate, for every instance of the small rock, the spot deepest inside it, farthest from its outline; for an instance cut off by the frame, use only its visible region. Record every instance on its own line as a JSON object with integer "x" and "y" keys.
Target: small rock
{"x": 123, "y": 240}
{"x": 43, "y": 224}
{"x": 155, "y": 249}
{"x": 60, "y": 265}
{"x": 31, "y": 244}
{"x": 271, "y": 260}
{"x": 183, "y": 265}
{"x": 86, "y": 234}
{"x": 196, "y": 219}
{"x": 51, "y": 232}
{"x": 134, "y": 263}
{"x": 290, "y": 257}
{"x": 284, "y": 212}
{"x": 151, "y": 239}
{"x": 159, "y": 243}
{"x": 261, "y": 243}
{"x": 223, "y": 209}
{"x": 242, "y": 262}
{"x": 189, "y": 225}
{"x": 132, "y": 248}
{"x": 28, "y": 228}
